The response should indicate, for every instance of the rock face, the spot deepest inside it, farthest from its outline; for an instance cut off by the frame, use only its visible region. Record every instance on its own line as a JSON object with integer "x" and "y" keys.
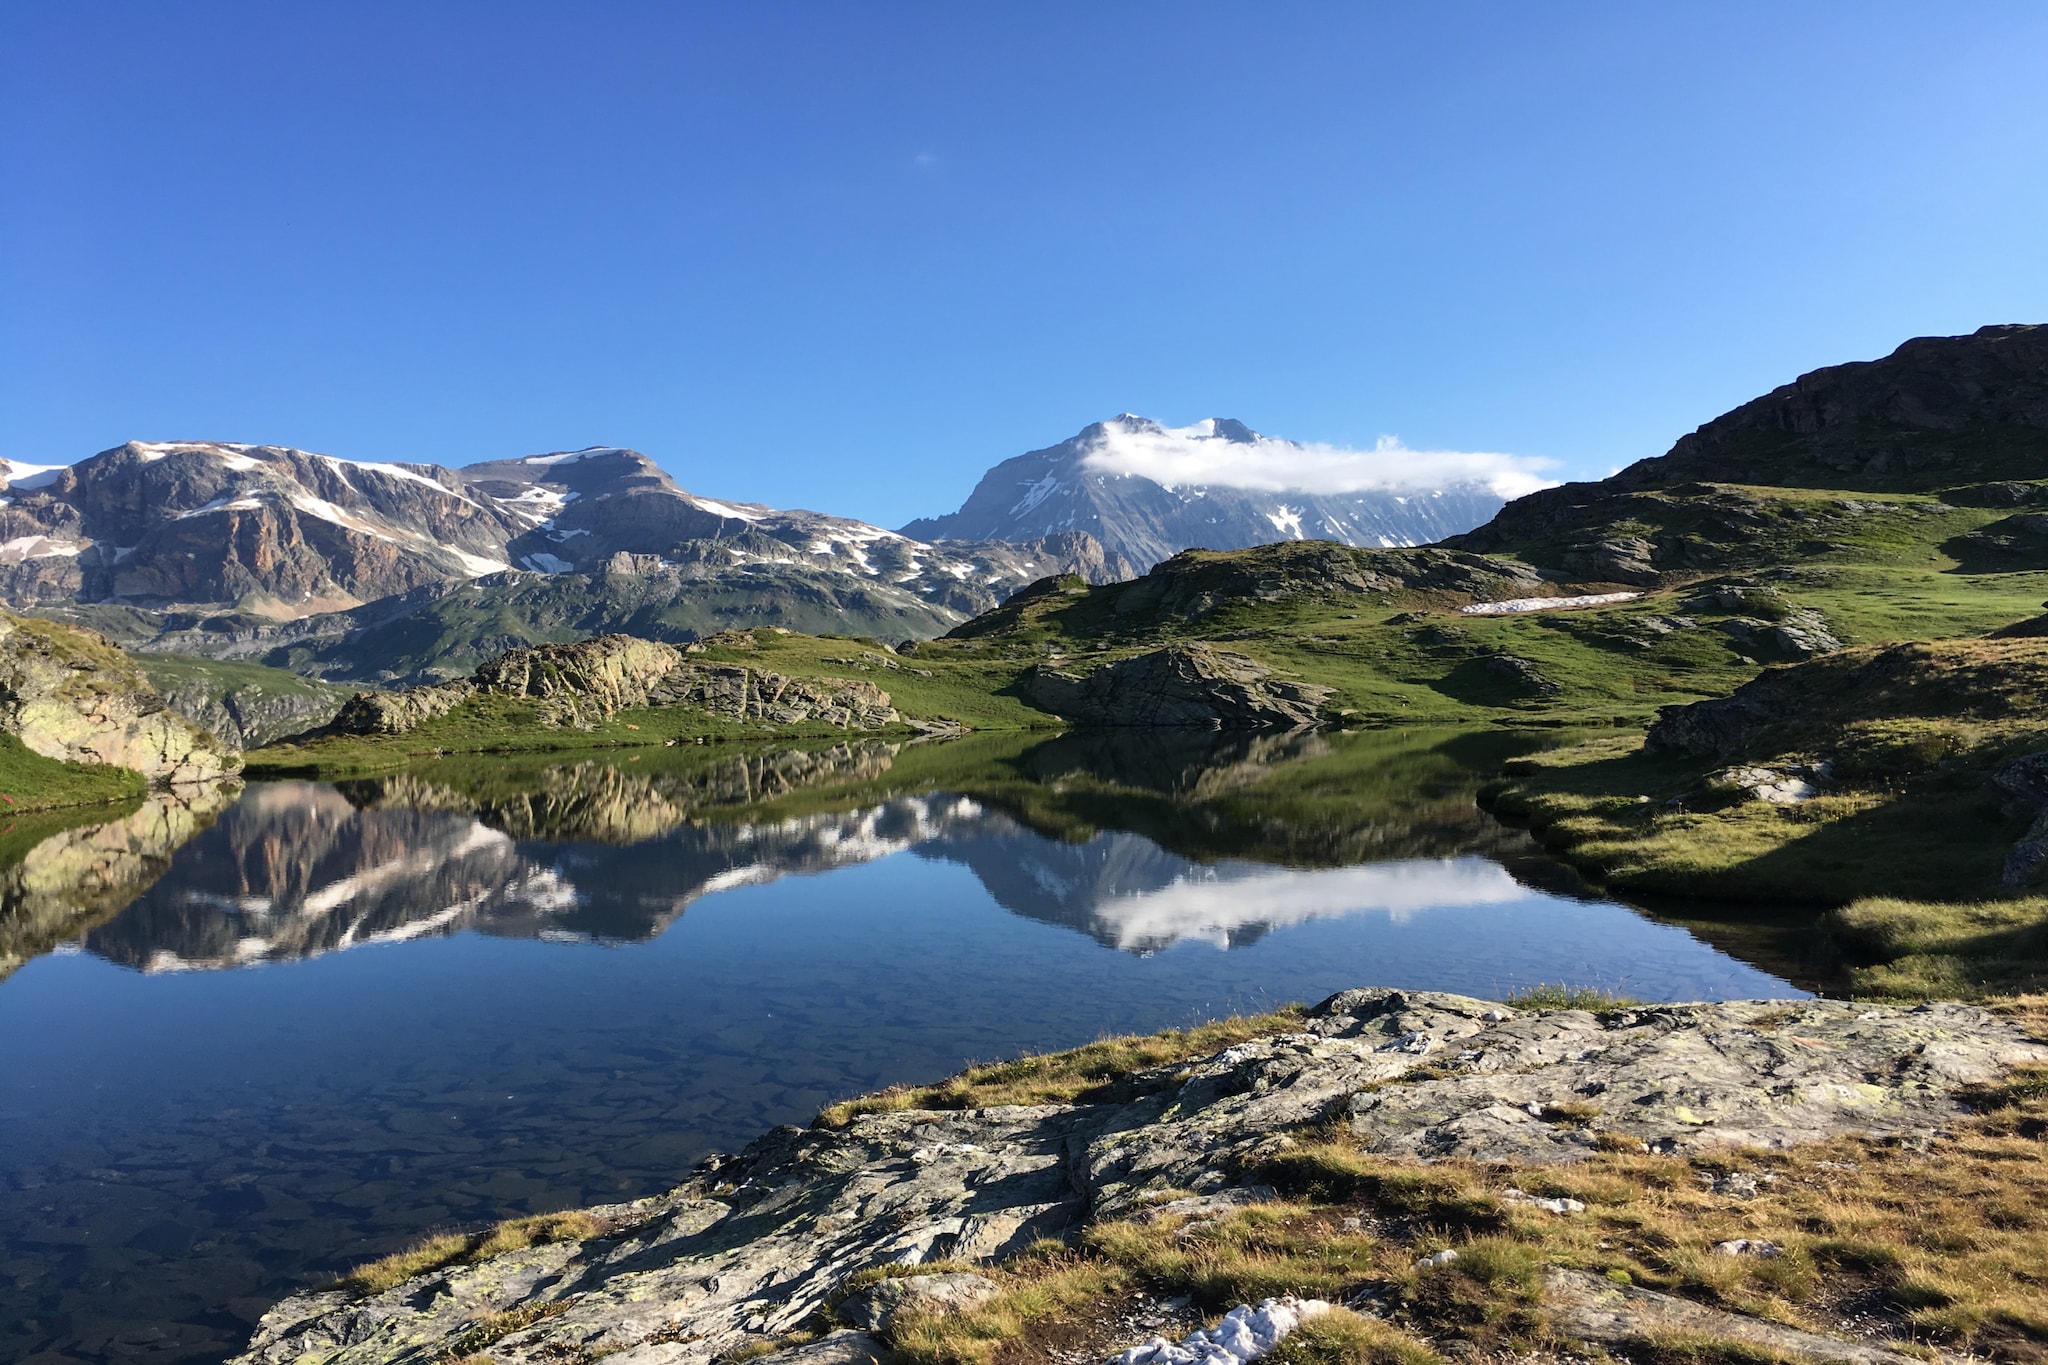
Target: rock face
{"x": 583, "y": 683}
{"x": 244, "y": 712}
{"x": 1194, "y": 685}
{"x": 73, "y": 695}
{"x": 752, "y": 1245}
{"x": 1069, "y": 487}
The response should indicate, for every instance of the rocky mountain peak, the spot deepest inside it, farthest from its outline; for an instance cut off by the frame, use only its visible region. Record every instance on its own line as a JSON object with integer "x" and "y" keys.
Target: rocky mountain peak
{"x": 1121, "y": 481}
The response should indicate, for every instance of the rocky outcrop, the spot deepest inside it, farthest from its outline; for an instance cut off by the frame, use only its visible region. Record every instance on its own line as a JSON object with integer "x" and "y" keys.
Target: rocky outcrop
{"x": 753, "y": 1245}
{"x": 1842, "y": 426}
{"x": 1625, "y": 1315}
{"x": 581, "y": 684}
{"x": 1809, "y": 704}
{"x": 584, "y": 683}
{"x": 395, "y": 713}
{"x": 1800, "y": 634}
{"x": 72, "y": 694}
{"x": 247, "y": 713}
{"x": 1194, "y": 685}
{"x": 735, "y": 692}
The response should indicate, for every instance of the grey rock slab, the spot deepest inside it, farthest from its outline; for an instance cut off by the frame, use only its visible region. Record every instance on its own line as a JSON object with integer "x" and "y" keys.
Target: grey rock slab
{"x": 1598, "y": 1310}
{"x": 753, "y": 1245}
{"x": 875, "y": 1307}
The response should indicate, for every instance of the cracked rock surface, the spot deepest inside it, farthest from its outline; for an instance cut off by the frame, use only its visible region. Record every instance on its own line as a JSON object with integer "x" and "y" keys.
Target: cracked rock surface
{"x": 751, "y": 1246}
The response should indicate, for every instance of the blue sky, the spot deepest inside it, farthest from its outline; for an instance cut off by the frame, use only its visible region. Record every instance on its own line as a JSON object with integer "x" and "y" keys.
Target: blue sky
{"x": 846, "y": 256}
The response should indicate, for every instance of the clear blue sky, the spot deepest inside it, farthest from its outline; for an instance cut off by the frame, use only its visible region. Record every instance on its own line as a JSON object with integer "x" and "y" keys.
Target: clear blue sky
{"x": 846, "y": 256}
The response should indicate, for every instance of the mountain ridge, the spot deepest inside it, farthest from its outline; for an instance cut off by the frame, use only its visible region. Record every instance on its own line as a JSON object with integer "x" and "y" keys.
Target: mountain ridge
{"x": 1066, "y": 487}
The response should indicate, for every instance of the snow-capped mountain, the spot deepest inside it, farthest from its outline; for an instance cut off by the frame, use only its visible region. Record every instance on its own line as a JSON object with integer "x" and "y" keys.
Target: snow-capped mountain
{"x": 1147, "y": 491}
{"x": 196, "y": 529}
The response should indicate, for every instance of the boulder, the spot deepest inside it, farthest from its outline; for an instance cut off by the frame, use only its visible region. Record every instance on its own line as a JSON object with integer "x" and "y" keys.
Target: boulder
{"x": 1800, "y": 634}
{"x": 1616, "y": 559}
{"x": 1520, "y": 674}
{"x": 1195, "y": 685}
{"x": 2022, "y": 784}
{"x": 396, "y": 713}
{"x": 72, "y": 694}
{"x": 876, "y": 1307}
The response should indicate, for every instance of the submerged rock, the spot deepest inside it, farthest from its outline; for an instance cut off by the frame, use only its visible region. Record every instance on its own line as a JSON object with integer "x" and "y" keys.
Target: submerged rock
{"x": 753, "y": 1245}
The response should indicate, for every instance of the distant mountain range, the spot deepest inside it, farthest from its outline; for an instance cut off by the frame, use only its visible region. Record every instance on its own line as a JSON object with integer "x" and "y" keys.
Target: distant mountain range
{"x": 1084, "y": 484}
{"x": 395, "y": 572}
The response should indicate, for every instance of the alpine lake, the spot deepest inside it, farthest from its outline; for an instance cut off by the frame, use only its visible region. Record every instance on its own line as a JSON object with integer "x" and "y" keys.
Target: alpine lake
{"x": 256, "y": 1037}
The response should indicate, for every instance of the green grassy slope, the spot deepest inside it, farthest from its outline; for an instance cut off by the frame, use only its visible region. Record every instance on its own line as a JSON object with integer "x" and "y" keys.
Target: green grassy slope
{"x": 30, "y": 782}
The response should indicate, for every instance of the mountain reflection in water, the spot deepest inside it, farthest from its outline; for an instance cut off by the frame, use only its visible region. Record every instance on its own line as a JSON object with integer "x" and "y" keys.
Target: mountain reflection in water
{"x": 549, "y": 1027}
{"x": 295, "y": 869}
{"x": 598, "y": 851}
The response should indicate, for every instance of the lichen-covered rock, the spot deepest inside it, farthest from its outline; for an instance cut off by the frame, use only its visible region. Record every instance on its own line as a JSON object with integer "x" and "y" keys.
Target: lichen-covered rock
{"x": 739, "y": 693}
{"x": 1800, "y": 634}
{"x": 876, "y": 1307}
{"x": 1599, "y": 1310}
{"x": 397, "y": 713}
{"x": 582, "y": 684}
{"x": 753, "y": 1245}
{"x": 72, "y": 694}
{"x": 1180, "y": 685}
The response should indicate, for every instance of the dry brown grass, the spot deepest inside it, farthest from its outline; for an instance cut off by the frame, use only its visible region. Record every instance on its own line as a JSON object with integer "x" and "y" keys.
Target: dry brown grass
{"x": 467, "y": 1348}
{"x": 1945, "y": 1246}
{"x": 1079, "y": 1075}
{"x": 460, "y": 1248}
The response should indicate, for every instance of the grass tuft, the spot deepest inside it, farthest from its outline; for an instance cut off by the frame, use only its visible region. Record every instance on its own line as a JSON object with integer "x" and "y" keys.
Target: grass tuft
{"x": 455, "y": 1248}
{"x": 1079, "y": 1075}
{"x": 1560, "y": 996}
{"x": 1342, "y": 1337}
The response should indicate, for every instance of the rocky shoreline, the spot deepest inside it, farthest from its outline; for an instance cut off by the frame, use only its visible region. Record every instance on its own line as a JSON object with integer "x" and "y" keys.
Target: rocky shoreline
{"x": 756, "y": 1247}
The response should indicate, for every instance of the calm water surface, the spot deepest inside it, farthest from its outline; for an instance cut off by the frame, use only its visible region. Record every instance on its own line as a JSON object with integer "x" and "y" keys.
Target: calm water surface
{"x": 241, "y": 1057}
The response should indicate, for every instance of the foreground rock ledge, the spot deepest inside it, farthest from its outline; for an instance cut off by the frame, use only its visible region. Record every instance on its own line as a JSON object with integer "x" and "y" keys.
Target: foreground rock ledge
{"x": 751, "y": 1245}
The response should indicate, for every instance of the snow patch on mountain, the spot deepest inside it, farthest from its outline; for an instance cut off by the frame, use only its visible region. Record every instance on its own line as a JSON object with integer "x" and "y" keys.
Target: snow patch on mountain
{"x": 726, "y": 509}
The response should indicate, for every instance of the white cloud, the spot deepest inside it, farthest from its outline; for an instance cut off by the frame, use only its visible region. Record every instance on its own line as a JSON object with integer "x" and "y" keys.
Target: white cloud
{"x": 1198, "y": 455}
